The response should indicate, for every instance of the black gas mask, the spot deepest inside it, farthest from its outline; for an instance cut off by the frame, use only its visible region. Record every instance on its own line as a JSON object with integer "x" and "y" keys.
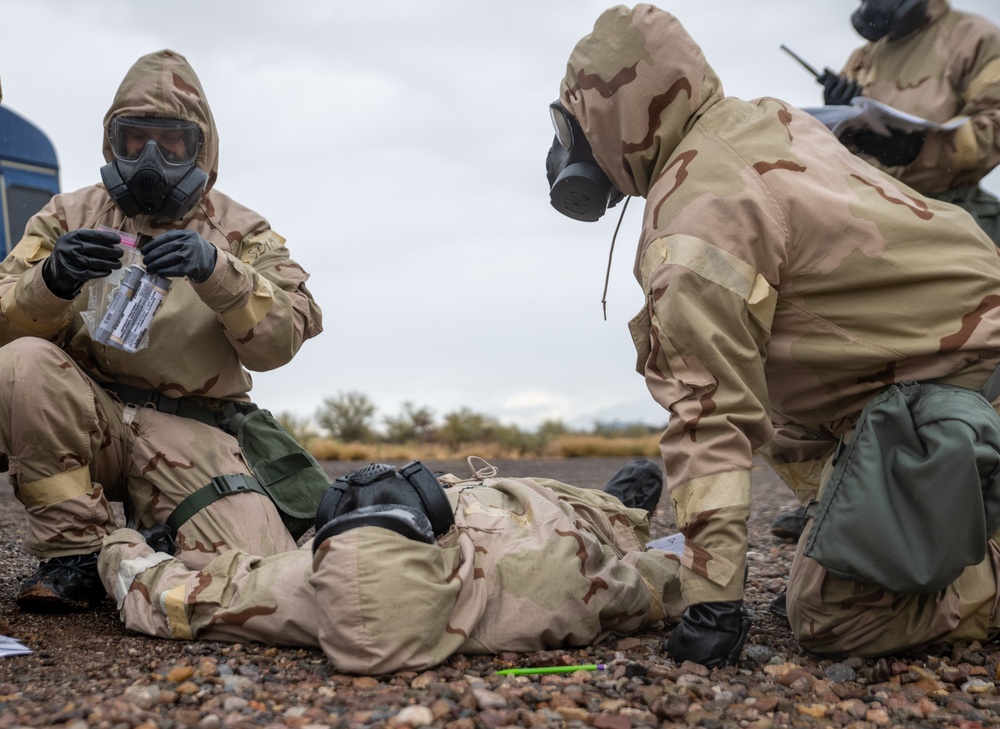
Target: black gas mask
{"x": 409, "y": 501}
{"x": 578, "y": 187}
{"x": 154, "y": 170}
{"x": 875, "y": 19}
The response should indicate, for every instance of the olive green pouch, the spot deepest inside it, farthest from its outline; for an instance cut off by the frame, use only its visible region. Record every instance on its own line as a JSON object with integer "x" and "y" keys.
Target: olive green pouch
{"x": 915, "y": 493}
{"x": 289, "y": 475}
{"x": 283, "y": 471}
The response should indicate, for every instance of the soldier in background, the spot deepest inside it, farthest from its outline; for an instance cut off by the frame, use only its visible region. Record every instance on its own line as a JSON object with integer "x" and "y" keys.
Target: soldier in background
{"x": 926, "y": 59}
{"x": 787, "y": 283}
{"x": 84, "y": 423}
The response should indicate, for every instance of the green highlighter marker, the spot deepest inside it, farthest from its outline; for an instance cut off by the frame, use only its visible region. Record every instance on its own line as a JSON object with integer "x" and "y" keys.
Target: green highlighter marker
{"x": 551, "y": 669}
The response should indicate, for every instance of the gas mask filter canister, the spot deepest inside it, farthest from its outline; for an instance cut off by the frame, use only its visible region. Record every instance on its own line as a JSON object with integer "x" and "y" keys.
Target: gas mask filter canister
{"x": 578, "y": 187}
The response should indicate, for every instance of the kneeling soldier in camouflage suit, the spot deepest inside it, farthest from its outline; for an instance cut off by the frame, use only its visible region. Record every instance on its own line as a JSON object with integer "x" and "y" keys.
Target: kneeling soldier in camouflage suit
{"x": 788, "y": 283}
{"x": 83, "y": 422}
{"x": 400, "y": 582}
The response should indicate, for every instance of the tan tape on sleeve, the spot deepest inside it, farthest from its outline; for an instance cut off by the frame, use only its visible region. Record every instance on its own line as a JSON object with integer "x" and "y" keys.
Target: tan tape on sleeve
{"x": 708, "y": 261}
{"x": 803, "y": 478}
{"x": 173, "y": 605}
{"x": 14, "y": 314}
{"x": 55, "y": 489}
{"x": 762, "y": 301}
{"x": 708, "y": 493}
{"x": 716, "y": 265}
{"x": 966, "y": 147}
{"x": 246, "y": 318}
{"x": 989, "y": 76}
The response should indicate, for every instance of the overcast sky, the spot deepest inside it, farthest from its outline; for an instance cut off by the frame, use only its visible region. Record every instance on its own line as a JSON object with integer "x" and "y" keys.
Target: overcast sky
{"x": 400, "y": 148}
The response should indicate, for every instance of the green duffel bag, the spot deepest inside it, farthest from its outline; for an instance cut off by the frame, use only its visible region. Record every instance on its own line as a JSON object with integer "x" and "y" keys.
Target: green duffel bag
{"x": 915, "y": 494}
{"x": 283, "y": 471}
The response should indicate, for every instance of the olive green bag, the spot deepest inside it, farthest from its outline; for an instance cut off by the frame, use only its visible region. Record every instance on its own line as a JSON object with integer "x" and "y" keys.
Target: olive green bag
{"x": 282, "y": 470}
{"x": 915, "y": 494}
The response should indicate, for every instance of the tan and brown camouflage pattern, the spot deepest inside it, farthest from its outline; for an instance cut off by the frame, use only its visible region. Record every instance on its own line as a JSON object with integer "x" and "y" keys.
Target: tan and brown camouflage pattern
{"x": 787, "y": 280}
{"x": 530, "y": 564}
{"x": 73, "y": 448}
{"x": 832, "y": 615}
{"x": 949, "y": 68}
{"x": 253, "y": 313}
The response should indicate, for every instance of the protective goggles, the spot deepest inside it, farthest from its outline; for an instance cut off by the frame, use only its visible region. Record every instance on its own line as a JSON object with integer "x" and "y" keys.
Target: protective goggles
{"x": 179, "y": 141}
{"x": 563, "y": 122}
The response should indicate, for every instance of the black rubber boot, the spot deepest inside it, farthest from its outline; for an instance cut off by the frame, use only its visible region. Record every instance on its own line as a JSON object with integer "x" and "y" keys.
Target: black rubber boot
{"x": 63, "y": 584}
{"x": 710, "y": 633}
{"x": 789, "y": 524}
{"x": 779, "y": 605}
{"x": 638, "y": 485}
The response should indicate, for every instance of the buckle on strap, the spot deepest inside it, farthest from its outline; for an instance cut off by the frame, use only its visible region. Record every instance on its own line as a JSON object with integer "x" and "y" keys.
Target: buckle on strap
{"x": 165, "y": 403}
{"x": 211, "y": 492}
{"x": 234, "y": 484}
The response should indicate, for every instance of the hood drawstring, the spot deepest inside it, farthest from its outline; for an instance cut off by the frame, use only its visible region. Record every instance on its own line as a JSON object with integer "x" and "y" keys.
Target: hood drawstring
{"x": 607, "y": 275}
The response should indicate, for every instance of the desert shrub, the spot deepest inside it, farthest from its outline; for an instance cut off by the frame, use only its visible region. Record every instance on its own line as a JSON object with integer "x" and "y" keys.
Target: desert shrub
{"x": 520, "y": 443}
{"x": 298, "y": 426}
{"x": 413, "y": 425}
{"x": 348, "y": 417}
{"x": 466, "y": 426}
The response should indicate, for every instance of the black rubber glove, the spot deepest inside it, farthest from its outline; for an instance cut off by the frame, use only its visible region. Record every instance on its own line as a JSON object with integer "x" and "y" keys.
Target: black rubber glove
{"x": 180, "y": 253}
{"x": 710, "y": 633}
{"x": 839, "y": 90}
{"x": 159, "y": 537}
{"x": 79, "y": 256}
{"x": 899, "y": 148}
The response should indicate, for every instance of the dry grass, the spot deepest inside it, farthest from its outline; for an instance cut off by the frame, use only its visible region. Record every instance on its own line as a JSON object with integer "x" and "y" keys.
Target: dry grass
{"x": 593, "y": 446}
{"x": 566, "y": 446}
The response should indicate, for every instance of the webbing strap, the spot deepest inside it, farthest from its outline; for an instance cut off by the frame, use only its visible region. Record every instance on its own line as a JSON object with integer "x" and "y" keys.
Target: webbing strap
{"x": 164, "y": 403}
{"x": 991, "y": 390}
{"x": 210, "y": 493}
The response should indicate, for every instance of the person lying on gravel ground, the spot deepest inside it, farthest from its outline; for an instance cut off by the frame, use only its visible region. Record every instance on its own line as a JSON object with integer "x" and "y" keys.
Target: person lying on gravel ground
{"x": 789, "y": 284}
{"x": 405, "y": 570}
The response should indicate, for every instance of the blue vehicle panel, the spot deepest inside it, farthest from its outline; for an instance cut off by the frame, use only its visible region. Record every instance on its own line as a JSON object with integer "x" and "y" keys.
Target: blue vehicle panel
{"x": 29, "y": 174}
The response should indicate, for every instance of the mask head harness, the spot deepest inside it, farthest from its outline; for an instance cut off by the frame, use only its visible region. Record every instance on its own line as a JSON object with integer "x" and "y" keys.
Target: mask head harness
{"x": 578, "y": 187}
{"x": 876, "y": 19}
{"x": 155, "y": 168}
{"x": 409, "y": 501}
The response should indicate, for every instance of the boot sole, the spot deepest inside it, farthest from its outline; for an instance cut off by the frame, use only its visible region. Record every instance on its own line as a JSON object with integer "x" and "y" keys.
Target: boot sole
{"x": 40, "y": 599}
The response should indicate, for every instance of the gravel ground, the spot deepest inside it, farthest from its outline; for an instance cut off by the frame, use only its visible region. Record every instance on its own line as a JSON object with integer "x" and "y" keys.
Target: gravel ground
{"x": 87, "y": 672}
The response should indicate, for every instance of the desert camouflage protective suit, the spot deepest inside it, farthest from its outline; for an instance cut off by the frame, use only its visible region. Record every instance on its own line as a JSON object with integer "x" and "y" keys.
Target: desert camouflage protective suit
{"x": 530, "y": 564}
{"x": 787, "y": 281}
{"x": 72, "y": 446}
{"x": 948, "y": 68}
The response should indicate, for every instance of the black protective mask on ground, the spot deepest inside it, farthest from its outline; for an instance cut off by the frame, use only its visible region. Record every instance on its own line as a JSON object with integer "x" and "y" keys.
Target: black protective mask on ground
{"x": 876, "y": 19}
{"x": 379, "y": 484}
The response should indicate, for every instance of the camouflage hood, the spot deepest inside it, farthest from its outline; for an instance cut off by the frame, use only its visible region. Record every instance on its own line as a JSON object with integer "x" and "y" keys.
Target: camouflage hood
{"x": 163, "y": 84}
{"x": 936, "y": 9}
{"x": 637, "y": 84}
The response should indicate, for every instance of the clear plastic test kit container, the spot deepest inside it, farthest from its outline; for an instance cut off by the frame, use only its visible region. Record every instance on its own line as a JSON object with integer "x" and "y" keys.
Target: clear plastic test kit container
{"x": 122, "y": 306}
